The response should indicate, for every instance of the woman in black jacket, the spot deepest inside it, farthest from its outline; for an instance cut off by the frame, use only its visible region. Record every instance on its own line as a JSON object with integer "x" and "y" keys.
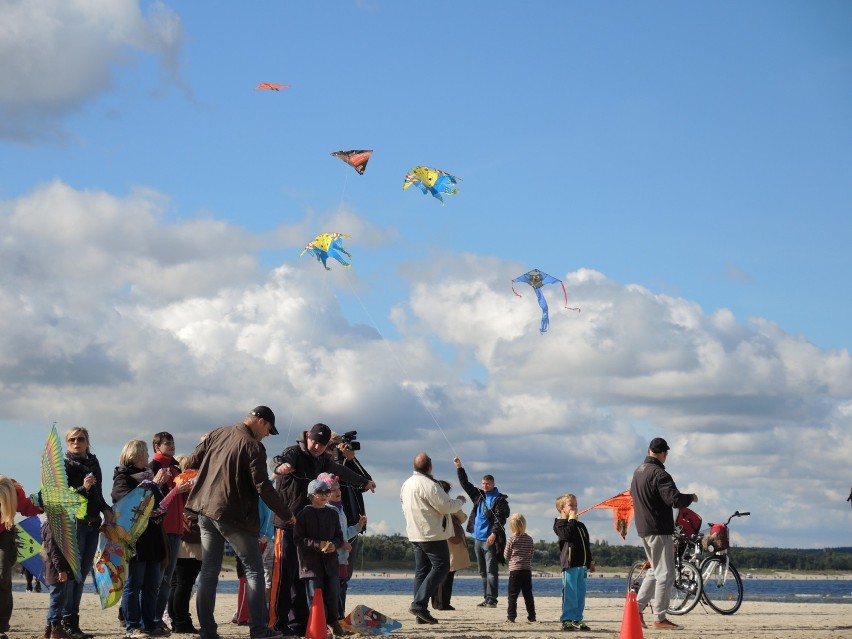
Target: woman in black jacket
{"x": 84, "y": 476}
{"x": 138, "y": 602}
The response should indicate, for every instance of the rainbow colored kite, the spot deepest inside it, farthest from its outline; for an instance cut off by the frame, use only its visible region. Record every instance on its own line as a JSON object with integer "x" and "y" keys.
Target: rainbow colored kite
{"x": 62, "y": 505}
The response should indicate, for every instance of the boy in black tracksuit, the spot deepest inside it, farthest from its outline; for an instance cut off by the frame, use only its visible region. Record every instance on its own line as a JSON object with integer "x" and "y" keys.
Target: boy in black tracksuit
{"x": 575, "y": 555}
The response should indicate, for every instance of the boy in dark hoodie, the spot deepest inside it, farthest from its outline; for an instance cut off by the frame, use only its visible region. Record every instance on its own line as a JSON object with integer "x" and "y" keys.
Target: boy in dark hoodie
{"x": 317, "y": 535}
{"x": 575, "y": 555}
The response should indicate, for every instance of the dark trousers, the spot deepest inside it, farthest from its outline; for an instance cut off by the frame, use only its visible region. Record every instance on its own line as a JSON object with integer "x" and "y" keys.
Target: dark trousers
{"x": 8, "y": 557}
{"x": 288, "y": 605}
{"x": 431, "y": 566}
{"x": 520, "y": 581}
{"x": 183, "y": 579}
{"x": 442, "y": 596}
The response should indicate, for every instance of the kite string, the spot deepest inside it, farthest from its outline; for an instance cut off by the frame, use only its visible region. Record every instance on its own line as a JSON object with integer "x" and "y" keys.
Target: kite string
{"x": 399, "y": 363}
{"x": 310, "y": 341}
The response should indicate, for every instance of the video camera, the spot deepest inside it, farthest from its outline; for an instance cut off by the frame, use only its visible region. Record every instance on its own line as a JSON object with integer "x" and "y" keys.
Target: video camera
{"x": 349, "y": 438}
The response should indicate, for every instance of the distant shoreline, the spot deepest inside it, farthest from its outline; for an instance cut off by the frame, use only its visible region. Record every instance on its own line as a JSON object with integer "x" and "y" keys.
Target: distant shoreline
{"x": 396, "y": 573}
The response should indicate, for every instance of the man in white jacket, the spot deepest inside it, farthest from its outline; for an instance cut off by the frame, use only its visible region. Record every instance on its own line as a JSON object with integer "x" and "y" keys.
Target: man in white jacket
{"x": 427, "y": 509}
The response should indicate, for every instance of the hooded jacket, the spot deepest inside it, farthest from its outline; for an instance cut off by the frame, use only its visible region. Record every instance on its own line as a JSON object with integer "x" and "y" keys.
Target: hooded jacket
{"x": 574, "y": 547}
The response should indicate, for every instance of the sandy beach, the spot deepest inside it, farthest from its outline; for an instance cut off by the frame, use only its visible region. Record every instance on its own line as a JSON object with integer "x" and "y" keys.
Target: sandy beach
{"x": 753, "y": 621}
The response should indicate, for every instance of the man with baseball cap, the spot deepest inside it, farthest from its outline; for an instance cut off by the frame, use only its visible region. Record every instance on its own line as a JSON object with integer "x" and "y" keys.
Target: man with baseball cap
{"x": 654, "y": 496}
{"x": 232, "y": 474}
{"x": 295, "y": 468}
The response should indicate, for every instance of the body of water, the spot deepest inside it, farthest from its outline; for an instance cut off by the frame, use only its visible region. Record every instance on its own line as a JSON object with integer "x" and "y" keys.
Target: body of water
{"x": 777, "y": 590}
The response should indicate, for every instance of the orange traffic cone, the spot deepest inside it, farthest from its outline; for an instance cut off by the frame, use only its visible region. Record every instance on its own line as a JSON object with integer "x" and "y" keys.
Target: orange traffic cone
{"x": 631, "y": 626}
{"x": 316, "y": 620}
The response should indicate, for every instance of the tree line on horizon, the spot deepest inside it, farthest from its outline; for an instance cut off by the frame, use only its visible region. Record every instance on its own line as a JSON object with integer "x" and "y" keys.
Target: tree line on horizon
{"x": 391, "y": 551}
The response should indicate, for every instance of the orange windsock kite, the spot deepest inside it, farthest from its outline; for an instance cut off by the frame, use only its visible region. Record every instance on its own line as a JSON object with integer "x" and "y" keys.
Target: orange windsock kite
{"x": 622, "y": 506}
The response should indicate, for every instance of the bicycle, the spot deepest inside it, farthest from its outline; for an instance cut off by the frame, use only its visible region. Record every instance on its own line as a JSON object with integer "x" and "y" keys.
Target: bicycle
{"x": 686, "y": 587}
{"x": 703, "y": 572}
{"x": 722, "y": 584}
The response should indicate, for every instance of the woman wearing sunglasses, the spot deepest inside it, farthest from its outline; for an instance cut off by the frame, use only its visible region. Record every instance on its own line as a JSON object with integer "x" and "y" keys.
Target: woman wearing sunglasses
{"x": 84, "y": 476}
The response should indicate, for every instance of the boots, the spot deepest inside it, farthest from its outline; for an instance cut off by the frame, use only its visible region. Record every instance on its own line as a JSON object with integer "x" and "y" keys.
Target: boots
{"x": 47, "y": 630}
{"x": 57, "y": 631}
{"x": 72, "y": 628}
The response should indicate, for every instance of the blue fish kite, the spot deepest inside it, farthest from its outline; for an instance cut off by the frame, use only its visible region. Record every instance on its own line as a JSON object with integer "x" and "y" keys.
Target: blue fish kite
{"x": 537, "y": 279}
{"x": 434, "y": 181}
{"x": 117, "y": 543}
{"x": 327, "y": 245}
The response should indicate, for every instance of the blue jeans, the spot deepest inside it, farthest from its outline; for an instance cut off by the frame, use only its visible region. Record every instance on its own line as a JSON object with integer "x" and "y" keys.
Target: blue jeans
{"x": 87, "y": 541}
{"x": 486, "y": 557}
{"x": 173, "y": 545}
{"x": 57, "y": 600}
{"x": 431, "y": 566}
{"x": 140, "y": 594}
{"x": 573, "y": 593}
{"x": 213, "y": 536}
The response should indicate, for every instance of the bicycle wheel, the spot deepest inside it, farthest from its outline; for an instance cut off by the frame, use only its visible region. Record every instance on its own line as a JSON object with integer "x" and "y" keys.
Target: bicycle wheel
{"x": 723, "y": 588}
{"x": 636, "y": 575}
{"x": 686, "y": 589}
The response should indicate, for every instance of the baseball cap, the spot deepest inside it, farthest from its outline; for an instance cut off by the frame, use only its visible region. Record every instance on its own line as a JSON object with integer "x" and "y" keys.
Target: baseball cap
{"x": 317, "y": 486}
{"x": 265, "y": 413}
{"x": 658, "y": 445}
{"x": 320, "y": 433}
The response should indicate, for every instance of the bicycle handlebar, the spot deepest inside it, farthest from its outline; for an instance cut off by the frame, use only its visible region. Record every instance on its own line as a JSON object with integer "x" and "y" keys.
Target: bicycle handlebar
{"x": 737, "y": 513}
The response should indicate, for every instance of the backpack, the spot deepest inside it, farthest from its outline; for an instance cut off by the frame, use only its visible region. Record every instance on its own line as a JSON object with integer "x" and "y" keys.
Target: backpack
{"x": 688, "y": 521}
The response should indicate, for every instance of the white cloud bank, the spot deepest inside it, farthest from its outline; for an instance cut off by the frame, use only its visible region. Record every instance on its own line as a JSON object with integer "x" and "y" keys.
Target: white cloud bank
{"x": 114, "y": 318}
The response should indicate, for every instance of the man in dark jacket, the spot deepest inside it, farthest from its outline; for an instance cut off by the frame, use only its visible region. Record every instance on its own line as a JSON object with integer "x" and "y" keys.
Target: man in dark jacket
{"x": 486, "y": 524}
{"x": 654, "y": 496}
{"x": 231, "y": 465}
{"x": 295, "y": 468}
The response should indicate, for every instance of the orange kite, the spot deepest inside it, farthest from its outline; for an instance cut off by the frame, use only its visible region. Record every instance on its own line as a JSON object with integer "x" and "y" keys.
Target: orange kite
{"x": 272, "y": 87}
{"x": 622, "y": 506}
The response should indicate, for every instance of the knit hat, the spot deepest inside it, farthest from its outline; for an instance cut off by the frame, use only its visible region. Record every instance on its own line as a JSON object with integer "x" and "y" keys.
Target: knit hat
{"x": 317, "y": 486}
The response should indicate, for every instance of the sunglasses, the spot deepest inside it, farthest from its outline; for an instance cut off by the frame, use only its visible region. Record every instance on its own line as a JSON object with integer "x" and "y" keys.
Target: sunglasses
{"x": 72, "y": 440}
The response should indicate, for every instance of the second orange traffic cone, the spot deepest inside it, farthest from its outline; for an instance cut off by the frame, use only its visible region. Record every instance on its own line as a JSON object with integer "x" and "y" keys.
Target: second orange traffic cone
{"x": 631, "y": 626}
{"x": 316, "y": 620}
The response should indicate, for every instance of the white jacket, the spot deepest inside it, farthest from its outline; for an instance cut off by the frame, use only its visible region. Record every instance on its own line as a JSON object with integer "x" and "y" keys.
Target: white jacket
{"x": 427, "y": 509}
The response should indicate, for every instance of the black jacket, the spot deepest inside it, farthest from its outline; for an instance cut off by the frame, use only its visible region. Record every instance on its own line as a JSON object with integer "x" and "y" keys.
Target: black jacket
{"x": 294, "y": 487}
{"x": 654, "y": 496}
{"x": 574, "y": 547}
{"x": 151, "y": 545}
{"x": 76, "y": 469}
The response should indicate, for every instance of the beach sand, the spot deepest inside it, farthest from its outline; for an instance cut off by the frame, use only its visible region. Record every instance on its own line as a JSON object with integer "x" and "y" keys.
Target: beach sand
{"x": 754, "y": 620}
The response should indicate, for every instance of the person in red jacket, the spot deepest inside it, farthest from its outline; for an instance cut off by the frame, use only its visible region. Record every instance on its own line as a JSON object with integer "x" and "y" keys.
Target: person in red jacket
{"x": 12, "y": 500}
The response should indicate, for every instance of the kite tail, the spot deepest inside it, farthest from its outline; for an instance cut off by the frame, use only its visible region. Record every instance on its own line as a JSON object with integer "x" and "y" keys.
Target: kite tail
{"x": 565, "y": 293}
{"x": 513, "y": 289}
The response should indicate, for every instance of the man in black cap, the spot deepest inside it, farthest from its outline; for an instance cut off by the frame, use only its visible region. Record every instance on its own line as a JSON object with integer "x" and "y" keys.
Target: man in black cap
{"x": 232, "y": 473}
{"x": 654, "y": 496}
{"x": 295, "y": 468}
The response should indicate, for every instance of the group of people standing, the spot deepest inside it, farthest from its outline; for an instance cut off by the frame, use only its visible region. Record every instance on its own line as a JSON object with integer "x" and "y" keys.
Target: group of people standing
{"x": 184, "y": 543}
{"x": 433, "y": 521}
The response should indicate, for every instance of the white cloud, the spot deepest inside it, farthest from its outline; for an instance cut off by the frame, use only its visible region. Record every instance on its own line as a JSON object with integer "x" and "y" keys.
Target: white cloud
{"x": 57, "y": 55}
{"x": 117, "y": 319}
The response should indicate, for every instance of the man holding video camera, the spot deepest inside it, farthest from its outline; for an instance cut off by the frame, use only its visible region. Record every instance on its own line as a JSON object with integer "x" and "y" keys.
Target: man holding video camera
{"x": 295, "y": 468}
{"x": 344, "y": 448}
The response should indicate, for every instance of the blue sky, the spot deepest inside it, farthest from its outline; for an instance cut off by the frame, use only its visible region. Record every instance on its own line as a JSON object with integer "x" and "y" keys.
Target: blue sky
{"x": 683, "y": 168}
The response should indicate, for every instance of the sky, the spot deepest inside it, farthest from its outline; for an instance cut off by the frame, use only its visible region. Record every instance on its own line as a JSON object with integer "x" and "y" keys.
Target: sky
{"x": 683, "y": 168}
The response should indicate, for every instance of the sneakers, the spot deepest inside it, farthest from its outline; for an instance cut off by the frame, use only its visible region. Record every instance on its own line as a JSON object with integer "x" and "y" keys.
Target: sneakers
{"x": 508, "y": 621}
{"x": 136, "y": 633}
{"x": 338, "y": 631}
{"x": 484, "y": 604}
{"x": 665, "y": 624}
{"x": 531, "y": 619}
{"x": 425, "y": 615}
{"x": 567, "y": 626}
{"x": 160, "y": 631}
{"x": 580, "y": 625}
{"x": 267, "y": 633}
